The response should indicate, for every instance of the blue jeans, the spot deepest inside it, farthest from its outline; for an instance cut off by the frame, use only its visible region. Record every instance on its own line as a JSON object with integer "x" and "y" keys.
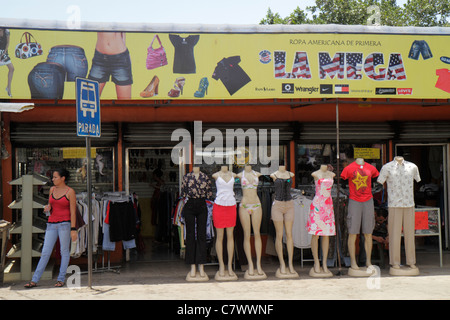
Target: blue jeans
{"x": 72, "y": 58}
{"x": 420, "y": 47}
{"x": 46, "y": 81}
{"x": 54, "y": 231}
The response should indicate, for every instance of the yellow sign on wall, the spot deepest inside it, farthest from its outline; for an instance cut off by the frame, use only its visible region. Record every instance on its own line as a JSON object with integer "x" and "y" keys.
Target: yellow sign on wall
{"x": 366, "y": 153}
{"x": 144, "y": 65}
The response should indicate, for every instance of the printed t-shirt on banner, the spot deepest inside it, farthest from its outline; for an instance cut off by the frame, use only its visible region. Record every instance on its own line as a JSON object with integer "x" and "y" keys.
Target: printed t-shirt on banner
{"x": 360, "y": 180}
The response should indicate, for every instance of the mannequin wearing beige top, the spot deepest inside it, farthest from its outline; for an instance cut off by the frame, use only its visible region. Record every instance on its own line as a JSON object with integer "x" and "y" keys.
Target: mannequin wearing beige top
{"x": 317, "y": 271}
{"x": 225, "y": 199}
{"x": 283, "y": 220}
{"x": 250, "y": 214}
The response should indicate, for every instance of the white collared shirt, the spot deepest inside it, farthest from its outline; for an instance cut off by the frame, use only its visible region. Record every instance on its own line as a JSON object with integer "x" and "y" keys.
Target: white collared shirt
{"x": 400, "y": 178}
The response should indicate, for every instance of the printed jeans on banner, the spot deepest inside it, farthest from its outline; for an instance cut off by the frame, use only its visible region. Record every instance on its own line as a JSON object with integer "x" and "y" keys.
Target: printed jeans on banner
{"x": 54, "y": 231}
{"x": 420, "y": 47}
{"x": 72, "y": 58}
{"x": 46, "y": 81}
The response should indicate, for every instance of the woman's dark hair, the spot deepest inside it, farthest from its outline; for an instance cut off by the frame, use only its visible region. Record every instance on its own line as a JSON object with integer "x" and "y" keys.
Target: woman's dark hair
{"x": 63, "y": 173}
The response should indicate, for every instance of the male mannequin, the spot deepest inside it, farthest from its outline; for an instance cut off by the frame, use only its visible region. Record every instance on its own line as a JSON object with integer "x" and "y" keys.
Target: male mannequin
{"x": 360, "y": 211}
{"x": 283, "y": 220}
{"x": 250, "y": 214}
{"x": 321, "y": 220}
{"x": 399, "y": 175}
{"x": 195, "y": 189}
{"x": 224, "y": 218}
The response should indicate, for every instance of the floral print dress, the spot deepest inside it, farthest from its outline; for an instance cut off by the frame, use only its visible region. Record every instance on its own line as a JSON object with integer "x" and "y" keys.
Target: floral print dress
{"x": 321, "y": 213}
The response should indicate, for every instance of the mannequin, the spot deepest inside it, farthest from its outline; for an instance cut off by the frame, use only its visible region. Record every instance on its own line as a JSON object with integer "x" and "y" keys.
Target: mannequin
{"x": 250, "y": 214}
{"x": 360, "y": 211}
{"x": 283, "y": 220}
{"x": 195, "y": 189}
{"x": 321, "y": 220}
{"x": 399, "y": 175}
{"x": 224, "y": 218}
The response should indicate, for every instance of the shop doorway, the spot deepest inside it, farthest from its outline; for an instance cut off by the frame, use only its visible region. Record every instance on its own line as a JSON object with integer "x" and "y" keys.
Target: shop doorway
{"x": 151, "y": 174}
{"x": 432, "y": 191}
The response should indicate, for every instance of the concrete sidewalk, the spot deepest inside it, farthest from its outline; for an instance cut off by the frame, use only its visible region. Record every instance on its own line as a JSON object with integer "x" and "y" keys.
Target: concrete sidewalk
{"x": 166, "y": 280}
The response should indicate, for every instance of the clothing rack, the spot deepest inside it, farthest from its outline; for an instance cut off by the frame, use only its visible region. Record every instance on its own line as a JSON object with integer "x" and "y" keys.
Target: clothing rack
{"x": 118, "y": 196}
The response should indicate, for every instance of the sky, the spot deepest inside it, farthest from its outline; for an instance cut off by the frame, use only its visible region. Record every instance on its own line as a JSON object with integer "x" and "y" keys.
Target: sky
{"x": 153, "y": 11}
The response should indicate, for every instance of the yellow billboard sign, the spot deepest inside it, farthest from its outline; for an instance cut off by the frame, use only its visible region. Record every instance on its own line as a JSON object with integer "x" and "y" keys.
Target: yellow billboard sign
{"x": 145, "y": 65}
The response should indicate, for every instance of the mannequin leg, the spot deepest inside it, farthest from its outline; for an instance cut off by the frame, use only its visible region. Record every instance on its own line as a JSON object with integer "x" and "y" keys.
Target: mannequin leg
{"x": 230, "y": 249}
{"x": 315, "y": 252}
{"x": 290, "y": 245}
{"x": 409, "y": 236}
{"x": 256, "y": 223}
{"x": 193, "y": 270}
{"x": 368, "y": 247}
{"x": 352, "y": 251}
{"x": 279, "y": 244}
{"x": 395, "y": 222}
{"x": 219, "y": 250}
{"x": 325, "y": 246}
{"x": 201, "y": 270}
{"x": 245, "y": 222}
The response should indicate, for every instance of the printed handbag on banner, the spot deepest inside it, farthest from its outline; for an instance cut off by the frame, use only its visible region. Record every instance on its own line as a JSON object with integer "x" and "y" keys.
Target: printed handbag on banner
{"x": 28, "y": 49}
{"x": 156, "y": 57}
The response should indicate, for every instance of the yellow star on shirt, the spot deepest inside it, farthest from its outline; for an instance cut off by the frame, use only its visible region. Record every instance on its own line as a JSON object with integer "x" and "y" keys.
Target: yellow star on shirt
{"x": 360, "y": 181}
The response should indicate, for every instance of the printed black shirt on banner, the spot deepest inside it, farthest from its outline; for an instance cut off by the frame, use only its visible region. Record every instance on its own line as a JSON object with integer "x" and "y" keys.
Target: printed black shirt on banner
{"x": 184, "y": 60}
{"x": 231, "y": 74}
{"x": 194, "y": 188}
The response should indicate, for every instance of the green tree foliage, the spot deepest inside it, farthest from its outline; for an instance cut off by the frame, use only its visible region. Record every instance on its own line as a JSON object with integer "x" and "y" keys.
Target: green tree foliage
{"x": 358, "y": 12}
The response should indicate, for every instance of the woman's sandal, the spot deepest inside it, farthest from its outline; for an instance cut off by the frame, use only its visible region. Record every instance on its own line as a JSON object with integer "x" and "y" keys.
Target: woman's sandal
{"x": 59, "y": 284}
{"x": 30, "y": 285}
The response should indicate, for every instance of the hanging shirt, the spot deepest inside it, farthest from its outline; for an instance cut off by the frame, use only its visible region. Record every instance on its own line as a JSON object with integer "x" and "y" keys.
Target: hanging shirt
{"x": 184, "y": 60}
{"x": 360, "y": 180}
{"x": 195, "y": 188}
{"x": 400, "y": 182}
{"x": 231, "y": 74}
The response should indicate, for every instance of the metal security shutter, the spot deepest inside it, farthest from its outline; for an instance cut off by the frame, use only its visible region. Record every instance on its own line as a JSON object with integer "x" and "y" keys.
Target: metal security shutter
{"x": 423, "y": 131}
{"x": 348, "y": 132}
{"x": 58, "y": 135}
{"x": 151, "y": 134}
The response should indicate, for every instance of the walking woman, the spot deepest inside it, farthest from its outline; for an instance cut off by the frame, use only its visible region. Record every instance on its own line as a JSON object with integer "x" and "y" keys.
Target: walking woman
{"x": 61, "y": 224}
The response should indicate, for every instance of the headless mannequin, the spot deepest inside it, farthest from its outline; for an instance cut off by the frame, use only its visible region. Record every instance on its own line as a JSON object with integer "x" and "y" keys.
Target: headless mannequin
{"x": 395, "y": 269}
{"x": 317, "y": 271}
{"x": 280, "y": 228}
{"x": 249, "y": 220}
{"x": 222, "y": 274}
{"x": 193, "y": 275}
{"x": 354, "y": 269}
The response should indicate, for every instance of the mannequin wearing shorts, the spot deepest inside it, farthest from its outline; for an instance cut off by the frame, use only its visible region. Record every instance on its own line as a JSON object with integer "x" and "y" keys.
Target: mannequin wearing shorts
{"x": 250, "y": 214}
{"x": 283, "y": 219}
{"x": 360, "y": 210}
{"x": 224, "y": 218}
{"x": 321, "y": 220}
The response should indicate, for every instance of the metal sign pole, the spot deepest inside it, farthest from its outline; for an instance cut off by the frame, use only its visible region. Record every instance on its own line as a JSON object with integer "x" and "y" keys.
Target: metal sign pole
{"x": 89, "y": 192}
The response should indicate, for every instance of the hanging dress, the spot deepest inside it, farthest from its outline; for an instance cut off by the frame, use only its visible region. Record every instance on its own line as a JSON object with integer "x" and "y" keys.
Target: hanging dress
{"x": 321, "y": 213}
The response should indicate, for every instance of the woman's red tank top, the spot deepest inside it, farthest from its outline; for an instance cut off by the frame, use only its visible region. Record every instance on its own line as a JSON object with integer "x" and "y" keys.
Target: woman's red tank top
{"x": 60, "y": 209}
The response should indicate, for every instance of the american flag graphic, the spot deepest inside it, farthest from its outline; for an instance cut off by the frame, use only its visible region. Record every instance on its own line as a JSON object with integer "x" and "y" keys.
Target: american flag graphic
{"x": 396, "y": 71}
{"x": 280, "y": 64}
{"x": 371, "y": 62}
{"x": 300, "y": 68}
{"x": 331, "y": 67}
{"x": 354, "y": 61}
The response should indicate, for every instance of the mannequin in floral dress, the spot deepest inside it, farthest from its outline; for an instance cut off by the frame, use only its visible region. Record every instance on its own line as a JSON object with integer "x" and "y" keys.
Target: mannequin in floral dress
{"x": 321, "y": 219}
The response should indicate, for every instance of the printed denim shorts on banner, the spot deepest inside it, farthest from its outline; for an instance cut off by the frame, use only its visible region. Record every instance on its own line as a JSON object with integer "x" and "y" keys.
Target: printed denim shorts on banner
{"x": 420, "y": 47}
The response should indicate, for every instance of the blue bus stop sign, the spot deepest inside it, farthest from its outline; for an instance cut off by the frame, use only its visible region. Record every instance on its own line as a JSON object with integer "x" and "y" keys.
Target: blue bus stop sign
{"x": 88, "y": 108}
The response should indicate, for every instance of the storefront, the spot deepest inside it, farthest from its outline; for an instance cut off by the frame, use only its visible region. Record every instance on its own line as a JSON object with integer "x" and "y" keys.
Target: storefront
{"x": 135, "y": 154}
